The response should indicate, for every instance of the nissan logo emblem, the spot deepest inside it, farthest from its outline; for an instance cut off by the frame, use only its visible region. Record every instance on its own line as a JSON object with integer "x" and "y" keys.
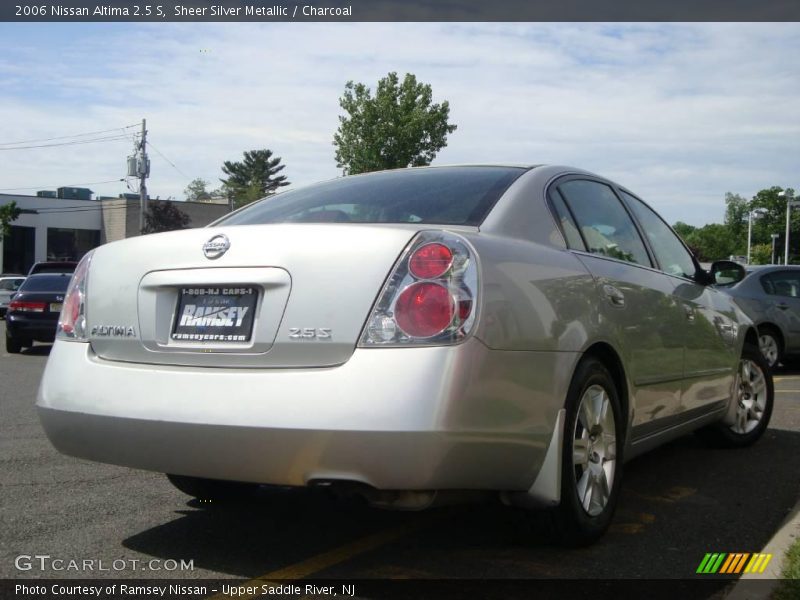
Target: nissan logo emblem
{"x": 216, "y": 246}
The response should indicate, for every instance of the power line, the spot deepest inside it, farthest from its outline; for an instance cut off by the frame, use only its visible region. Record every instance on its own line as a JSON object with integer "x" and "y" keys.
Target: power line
{"x": 64, "y": 137}
{"x": 35, "y": 187}
{"x": 73, "y": 143}
{"x": 168, "y": 160}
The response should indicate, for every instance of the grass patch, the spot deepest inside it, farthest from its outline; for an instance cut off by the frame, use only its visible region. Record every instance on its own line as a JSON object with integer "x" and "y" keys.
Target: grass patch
{"x": 789, "y": 587}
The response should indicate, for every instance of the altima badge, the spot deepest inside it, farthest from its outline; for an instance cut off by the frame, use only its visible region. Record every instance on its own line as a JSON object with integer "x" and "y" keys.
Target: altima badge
{"x": 113, "y": 331}
{"x": 216, "y": 246}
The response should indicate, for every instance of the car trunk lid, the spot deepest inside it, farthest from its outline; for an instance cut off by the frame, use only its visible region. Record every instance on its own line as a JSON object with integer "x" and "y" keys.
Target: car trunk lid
{"x": 314, "y": 285}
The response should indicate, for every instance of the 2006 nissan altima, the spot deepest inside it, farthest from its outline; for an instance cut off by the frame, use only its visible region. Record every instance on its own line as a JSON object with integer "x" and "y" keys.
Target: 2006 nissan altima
{"x": 407, "y": 334}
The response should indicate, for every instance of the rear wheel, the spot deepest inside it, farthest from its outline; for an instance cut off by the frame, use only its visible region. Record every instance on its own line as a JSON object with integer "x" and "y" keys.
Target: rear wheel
{"x": 770, "y": 346}
{"x": 592, "y": 456}
{"x": 755, "y": 395}
{"x": 13, "y": 345}
{"x": 212, "y": 489}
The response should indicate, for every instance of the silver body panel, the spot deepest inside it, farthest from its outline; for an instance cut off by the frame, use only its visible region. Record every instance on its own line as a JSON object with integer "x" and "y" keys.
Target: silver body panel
{"x": 484, "y": 413}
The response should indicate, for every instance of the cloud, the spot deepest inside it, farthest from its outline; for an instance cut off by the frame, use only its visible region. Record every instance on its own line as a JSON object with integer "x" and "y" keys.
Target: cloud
{"x": 681, "y": 114}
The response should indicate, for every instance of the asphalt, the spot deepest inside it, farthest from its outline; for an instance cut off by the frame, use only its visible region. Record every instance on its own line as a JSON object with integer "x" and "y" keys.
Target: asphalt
{"x": 678, "y": 503}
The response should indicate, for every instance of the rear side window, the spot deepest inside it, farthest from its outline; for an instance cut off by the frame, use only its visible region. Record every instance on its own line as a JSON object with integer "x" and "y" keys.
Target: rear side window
{"x": 48, "y": 283}
{"x": 10, "y": 285}
{"x": 671, "y": 254}
{"x": 782, "y": 283}
{"x": 439, "y": 195}
{"x": 567, "y": 223}
{"x": 604, "y": 224}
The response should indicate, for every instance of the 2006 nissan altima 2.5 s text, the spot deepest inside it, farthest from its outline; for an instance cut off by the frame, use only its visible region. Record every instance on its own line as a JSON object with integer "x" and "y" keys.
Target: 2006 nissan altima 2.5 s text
{"x": 405, "y": 335}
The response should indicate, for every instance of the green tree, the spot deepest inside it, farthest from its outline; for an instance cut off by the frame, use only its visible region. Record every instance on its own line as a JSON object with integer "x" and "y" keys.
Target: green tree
{"x": 164, "y": 216}
{"x": 736, "y": 210}
{"x": 8, "y": 214}
{"x": 711, "y": 242}
{"x": 253, "y": 178}
{"x": 760, "y": 254}
{"x": 196, "y": 191}
{"x": 684, "y": 229}
{"x": 398, "y": 127}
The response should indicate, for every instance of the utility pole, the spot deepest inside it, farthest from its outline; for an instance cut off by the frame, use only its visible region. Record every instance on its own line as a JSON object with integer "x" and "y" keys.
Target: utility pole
{"x": 143, "y": 168}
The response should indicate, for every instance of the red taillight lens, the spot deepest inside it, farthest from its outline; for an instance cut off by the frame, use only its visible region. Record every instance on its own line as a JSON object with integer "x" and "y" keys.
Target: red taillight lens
{"x": 424, "y": 309}
{"x": 430, "y": 261}
{"x": 25, "y": 306}
{"x": 72, "y": 321}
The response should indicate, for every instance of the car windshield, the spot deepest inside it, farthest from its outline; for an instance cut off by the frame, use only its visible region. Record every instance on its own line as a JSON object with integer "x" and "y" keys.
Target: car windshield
{"x": 48, "y": 283}
{"x": 440, "y": 195}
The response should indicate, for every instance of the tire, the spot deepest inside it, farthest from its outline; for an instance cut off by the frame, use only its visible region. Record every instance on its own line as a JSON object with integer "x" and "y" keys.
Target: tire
{"x": 769, "y": 342}
{"x": 212, "y": 489}
{"x": 591, "y": 465}
{"x": 755, "y": 398}
{"x": 13, "y": 345}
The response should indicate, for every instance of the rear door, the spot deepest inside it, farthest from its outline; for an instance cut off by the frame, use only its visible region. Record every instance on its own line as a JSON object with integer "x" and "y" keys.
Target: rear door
{"x": 783, "y": 303}
{"x": 637, "y": 307}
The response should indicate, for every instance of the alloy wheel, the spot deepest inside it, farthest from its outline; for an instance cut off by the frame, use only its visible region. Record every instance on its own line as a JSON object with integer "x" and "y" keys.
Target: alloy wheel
{"x": 769, "y": 348}
{"x": 594, "y": 450}
{"x": 751, "y": 397}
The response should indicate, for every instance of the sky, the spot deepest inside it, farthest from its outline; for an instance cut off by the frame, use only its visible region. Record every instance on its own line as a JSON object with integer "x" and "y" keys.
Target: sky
{"x": 678, "y": 113}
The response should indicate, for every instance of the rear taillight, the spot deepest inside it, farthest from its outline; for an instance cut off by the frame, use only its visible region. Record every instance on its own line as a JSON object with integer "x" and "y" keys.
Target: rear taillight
{"x": 26, "y": 306}
{"x": 431, "y": 296}
{"x": 72, "y": 321}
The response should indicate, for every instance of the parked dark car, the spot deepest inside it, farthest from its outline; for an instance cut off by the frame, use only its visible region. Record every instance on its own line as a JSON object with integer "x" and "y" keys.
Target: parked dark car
{"x": 771, "y": 298}
{"x": 65, "y": 266}
{"x": 33, "y": 313}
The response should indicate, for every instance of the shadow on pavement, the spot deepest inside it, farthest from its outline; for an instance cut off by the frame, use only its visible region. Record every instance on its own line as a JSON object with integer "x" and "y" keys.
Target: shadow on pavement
{"x": 677, "y": 503}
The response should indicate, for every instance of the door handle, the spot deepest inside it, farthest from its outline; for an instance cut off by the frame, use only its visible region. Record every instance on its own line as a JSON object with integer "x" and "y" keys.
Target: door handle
{"x": 614, "y": 296}
{"x": 782, "y": 305}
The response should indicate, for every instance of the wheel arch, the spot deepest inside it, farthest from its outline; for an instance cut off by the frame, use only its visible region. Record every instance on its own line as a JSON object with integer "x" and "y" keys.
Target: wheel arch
{"x": 606, "y": 354}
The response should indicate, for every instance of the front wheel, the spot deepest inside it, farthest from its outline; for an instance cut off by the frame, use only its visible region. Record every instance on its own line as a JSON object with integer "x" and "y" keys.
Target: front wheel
{"x": 592, "y": 456}
{"x": 754, "y": 398}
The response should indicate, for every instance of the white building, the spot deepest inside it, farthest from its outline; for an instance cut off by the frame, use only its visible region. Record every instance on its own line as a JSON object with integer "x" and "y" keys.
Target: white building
{"x": 66, "y": 229}
{"x": 49, "y": 229}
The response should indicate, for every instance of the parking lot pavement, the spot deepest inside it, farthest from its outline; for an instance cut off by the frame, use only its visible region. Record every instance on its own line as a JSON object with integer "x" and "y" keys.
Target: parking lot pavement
{"x": 677, "y": 503}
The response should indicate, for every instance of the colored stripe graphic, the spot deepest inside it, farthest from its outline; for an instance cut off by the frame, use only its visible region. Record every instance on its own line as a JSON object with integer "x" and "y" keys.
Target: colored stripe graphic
{"x": 733, "y": 563}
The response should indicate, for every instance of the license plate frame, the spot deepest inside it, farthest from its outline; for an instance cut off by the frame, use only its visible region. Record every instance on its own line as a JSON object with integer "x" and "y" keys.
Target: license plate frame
{"x": 216, "y": 314}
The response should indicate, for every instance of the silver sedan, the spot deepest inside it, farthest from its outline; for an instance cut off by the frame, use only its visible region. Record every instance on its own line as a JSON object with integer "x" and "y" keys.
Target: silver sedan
{"x": 406, "y": 335}
{"x": 770, "y": 296}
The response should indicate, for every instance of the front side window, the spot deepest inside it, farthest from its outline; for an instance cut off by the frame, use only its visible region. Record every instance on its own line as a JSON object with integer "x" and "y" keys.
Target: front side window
{"x": 604, "y": 224}
{"x": 782, "y": 283}
{"x": 671, "y": 254}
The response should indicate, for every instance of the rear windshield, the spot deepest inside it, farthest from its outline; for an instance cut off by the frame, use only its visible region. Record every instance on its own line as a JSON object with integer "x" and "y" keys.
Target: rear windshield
{"x": 48, "y": 283}
{"x": 440, "y": 195}
{"x": 7, "y": 285}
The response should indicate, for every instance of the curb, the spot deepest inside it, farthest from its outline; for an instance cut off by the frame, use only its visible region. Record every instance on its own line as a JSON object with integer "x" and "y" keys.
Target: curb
{"x": 753, "y": 586}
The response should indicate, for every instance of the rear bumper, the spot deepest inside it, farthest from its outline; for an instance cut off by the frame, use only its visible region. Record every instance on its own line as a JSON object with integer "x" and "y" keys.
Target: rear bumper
{"x": 41, "y": 330}
{"x": 462, "y": 417}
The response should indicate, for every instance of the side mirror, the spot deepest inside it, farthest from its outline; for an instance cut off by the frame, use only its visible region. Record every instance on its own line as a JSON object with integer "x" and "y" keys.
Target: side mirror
{"x": 726, "y": 272}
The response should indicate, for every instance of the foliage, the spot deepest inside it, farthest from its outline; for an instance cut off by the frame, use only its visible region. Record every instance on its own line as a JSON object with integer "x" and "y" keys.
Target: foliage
{"x": 711, "y": 242}
{"x": 683, "y": 229}
{"x": 164, "y": 216}
{"x": 196, "y": 191}
{"x": 253, "y": 178}
{"x": 718, "y": 241}
{"x": 760, "y": 254}
{"x": 397, "y": 128}
{"x": 8, "y": 214}
{"x": 789, "y": 586}
{"x": 736, "y": 209}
